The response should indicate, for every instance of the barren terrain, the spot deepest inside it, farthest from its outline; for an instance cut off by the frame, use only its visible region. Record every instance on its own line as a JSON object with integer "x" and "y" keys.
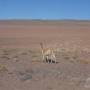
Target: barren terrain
{"x": 21, "y": 66}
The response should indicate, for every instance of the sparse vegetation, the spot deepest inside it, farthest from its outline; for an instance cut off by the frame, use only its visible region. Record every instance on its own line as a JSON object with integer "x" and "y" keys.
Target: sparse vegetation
{"x": 3, "y": 68}
{"x": 21, "y": 64}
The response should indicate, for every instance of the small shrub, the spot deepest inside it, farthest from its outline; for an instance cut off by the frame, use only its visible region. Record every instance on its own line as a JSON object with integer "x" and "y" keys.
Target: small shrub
{"x": 3, "y": 68}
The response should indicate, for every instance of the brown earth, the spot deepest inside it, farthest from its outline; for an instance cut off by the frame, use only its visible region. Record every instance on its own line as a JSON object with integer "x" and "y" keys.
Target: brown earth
{"x": 21, "y": 66}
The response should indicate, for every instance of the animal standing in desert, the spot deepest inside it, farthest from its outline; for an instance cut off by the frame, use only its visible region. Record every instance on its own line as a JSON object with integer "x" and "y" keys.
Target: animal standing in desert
{"x": 48, "y": 54}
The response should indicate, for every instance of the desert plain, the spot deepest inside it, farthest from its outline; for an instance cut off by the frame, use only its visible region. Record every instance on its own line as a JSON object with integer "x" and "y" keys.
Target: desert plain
{"x": 21, "y": 65}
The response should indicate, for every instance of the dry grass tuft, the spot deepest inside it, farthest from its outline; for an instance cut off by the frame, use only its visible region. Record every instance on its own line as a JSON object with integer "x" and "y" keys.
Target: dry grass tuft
{"x": 75, "y": 54}
{"x": 3, "y": 68}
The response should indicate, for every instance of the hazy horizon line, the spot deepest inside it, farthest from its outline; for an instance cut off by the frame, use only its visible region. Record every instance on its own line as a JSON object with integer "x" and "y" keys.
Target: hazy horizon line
{"x": 45, "y": 19}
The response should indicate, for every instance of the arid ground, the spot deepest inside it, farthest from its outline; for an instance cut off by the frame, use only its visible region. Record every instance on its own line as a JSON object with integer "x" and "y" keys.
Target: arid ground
{"x": 21, "y": 65}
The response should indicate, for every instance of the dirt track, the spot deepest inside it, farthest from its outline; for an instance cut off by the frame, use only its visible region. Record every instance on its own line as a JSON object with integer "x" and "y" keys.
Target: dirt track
{"x": 21, "y": 66}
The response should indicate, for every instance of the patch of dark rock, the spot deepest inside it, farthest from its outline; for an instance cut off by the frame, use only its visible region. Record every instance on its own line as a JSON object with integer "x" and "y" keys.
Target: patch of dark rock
{"x": 5, "y": 57}
{"x": 25, "y": 75}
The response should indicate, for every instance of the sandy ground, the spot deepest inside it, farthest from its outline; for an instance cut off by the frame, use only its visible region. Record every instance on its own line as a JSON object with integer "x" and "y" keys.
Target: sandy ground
{"x": 21, "y": 66}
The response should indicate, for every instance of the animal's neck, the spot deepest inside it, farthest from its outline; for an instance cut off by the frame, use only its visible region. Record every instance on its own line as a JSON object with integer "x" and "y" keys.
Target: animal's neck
{"x": 41, "y": 44}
